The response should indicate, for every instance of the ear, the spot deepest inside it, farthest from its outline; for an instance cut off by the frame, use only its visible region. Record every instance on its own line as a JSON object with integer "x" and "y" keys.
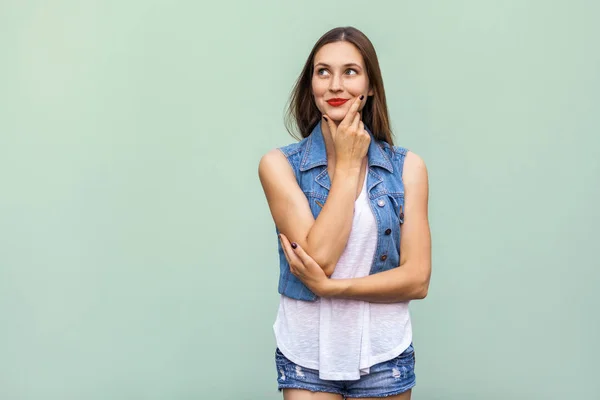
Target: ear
{"x": 371, "y": 91}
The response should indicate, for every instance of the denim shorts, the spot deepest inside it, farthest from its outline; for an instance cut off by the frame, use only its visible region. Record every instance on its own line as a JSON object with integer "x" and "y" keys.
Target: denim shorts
{"x": 384, "y": 379}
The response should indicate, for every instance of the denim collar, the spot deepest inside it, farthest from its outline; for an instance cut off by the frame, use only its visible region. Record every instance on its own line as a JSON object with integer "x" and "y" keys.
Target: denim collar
{"x": 316, "y": 155}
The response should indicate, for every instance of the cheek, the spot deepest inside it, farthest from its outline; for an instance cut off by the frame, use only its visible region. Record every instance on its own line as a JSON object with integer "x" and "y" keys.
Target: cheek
{"x": 357, "y": 87}
{"x": 319, "y": 88}
{"x": 319, "y": 91}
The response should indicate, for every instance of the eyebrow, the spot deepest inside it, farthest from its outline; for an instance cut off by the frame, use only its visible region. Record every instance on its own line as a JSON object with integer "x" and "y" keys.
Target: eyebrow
{"x": 345, "y": 65}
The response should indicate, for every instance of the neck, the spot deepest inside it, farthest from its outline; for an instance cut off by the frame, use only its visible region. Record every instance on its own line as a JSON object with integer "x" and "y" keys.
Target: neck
{"x": 329, "y": 146}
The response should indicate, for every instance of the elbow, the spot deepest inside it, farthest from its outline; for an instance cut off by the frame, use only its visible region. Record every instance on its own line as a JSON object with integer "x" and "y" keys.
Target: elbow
{"x": 328, "y": 269}
{"x": 421, "y": 290}
{"x": 421, "y": 293}
{"x": 422, "y": 277}
{"x": 324, "y": 261}
{"x": 326, "y": 264}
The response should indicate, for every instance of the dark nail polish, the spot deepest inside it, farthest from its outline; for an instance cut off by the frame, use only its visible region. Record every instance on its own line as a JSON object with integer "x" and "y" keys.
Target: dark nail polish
{"x": 362, "y": 96}
{"x": 325, "y": 118}
{"x": 294, "y": 245}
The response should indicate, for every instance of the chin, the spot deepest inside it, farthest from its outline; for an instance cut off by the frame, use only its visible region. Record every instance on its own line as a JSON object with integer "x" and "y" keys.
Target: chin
{"x": 337, "y": 114}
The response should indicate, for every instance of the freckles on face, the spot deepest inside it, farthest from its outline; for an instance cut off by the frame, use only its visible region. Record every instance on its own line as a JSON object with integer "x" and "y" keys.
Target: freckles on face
{"x": 338, "y": 72}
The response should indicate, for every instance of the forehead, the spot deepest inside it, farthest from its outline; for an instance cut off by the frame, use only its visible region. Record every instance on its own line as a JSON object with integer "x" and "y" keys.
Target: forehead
{"x": 338, "y": 53}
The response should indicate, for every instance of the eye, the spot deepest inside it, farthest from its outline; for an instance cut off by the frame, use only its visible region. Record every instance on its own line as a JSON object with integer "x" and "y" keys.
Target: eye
{"x": 351, "y": 70}
{"x": 322, "y": 71}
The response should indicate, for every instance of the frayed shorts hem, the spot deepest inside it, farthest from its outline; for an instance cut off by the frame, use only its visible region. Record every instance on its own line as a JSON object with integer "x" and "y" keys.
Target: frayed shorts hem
{"x": 388, "y": 378}
{"x": 394, "y": 393}
{"x": 310, "y": 388}
{"x": 354, "y": 396}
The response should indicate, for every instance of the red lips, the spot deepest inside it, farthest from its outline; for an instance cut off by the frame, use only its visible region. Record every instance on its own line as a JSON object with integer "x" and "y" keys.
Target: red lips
{"x": 336, "y": 102}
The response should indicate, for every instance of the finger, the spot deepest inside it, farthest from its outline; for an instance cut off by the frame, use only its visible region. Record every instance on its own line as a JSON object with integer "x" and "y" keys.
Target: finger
{"x": 301, "y": 254}
{"x": 283, "y": 241}
{"x": 361, "y": 127}
{"x": 355, "y": 123}
{"x": 352, "y": 111}
{"x": 291, "y": 257}
{"x": 330, "y": 123}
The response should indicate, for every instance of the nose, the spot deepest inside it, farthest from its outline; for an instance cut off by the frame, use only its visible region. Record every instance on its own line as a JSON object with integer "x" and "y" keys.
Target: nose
{"x": 335, "y": 84}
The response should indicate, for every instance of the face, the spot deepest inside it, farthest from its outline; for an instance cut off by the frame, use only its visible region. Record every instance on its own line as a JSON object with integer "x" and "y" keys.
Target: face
{"x": 339, "y": 74}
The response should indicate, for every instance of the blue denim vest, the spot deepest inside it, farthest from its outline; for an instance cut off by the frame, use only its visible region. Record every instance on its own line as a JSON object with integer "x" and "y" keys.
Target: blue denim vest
{"x": 308, "y": 159}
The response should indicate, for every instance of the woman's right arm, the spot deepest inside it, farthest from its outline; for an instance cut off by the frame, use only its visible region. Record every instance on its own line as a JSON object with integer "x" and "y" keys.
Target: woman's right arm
{"x": 325, "y": 238}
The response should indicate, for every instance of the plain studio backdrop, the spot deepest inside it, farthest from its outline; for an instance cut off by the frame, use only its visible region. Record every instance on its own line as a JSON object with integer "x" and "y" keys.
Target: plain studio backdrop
{"x": 137, "y": 253}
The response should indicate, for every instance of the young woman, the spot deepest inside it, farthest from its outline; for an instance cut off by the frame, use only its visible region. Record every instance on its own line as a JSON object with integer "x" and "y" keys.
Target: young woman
{"x": 350, "y": 209}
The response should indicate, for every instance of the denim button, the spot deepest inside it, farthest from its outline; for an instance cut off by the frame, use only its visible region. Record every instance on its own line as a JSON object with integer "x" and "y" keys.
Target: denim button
{"x": 381, "y": 203}
{"x": 388, "y": 231}
{"x": 383, "y": 257}
{"x": 401, "y": 215}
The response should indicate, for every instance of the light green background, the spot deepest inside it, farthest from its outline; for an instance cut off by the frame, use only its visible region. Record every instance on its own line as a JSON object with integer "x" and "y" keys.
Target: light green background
{"x": 137, "y": 253}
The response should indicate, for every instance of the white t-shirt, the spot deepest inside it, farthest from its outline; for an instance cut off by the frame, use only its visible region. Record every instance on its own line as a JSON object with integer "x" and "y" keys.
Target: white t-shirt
{"x": 343, "y": 338}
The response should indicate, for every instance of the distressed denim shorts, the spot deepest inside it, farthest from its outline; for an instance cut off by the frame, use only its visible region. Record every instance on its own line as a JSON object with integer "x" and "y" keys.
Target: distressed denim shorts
{"x": 384, "y": 379}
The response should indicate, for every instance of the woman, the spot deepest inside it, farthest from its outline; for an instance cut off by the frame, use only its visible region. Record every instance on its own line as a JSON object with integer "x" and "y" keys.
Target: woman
{"x": 341, "y": 199}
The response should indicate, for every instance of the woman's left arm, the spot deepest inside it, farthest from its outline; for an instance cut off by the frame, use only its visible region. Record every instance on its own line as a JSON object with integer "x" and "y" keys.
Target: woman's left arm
{"x": 410, "y": 280}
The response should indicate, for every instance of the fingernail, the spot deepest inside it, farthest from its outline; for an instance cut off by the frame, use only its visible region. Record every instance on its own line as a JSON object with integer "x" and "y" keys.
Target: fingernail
{"x": 362, "y": 96}
{"x": 294, "y": 245}
{"x": 325, "y": 118}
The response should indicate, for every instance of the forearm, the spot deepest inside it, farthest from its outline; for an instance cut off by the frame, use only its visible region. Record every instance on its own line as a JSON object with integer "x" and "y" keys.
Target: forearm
{"x": 403, "y": 283}
{"x": 329, "y": 234}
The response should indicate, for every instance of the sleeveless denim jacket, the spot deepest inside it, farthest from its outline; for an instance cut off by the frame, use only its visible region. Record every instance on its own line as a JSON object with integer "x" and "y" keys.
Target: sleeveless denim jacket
{"x": 385, "y": 188}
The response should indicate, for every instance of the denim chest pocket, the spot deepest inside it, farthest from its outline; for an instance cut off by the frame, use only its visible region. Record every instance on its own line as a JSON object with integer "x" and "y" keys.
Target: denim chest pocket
{"x": 316, "y": 201}
{"x": 391, "y": 208}
{"x": 397, "y": 202}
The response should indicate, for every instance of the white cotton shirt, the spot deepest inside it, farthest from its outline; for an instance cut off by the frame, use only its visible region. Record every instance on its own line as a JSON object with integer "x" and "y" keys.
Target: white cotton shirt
{"x": 343, "y": 338}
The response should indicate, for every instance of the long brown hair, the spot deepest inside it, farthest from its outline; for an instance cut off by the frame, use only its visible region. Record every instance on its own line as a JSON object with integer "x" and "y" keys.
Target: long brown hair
{"x": 302, "y": 113}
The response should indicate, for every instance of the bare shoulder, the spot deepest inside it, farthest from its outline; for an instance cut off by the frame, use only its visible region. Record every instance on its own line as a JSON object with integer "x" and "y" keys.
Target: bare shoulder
{"x": 272, "y": 156}
{"x": 275, "y": 172}
{"x": 272, "y": 162}
{"x": 415, "y": 170}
